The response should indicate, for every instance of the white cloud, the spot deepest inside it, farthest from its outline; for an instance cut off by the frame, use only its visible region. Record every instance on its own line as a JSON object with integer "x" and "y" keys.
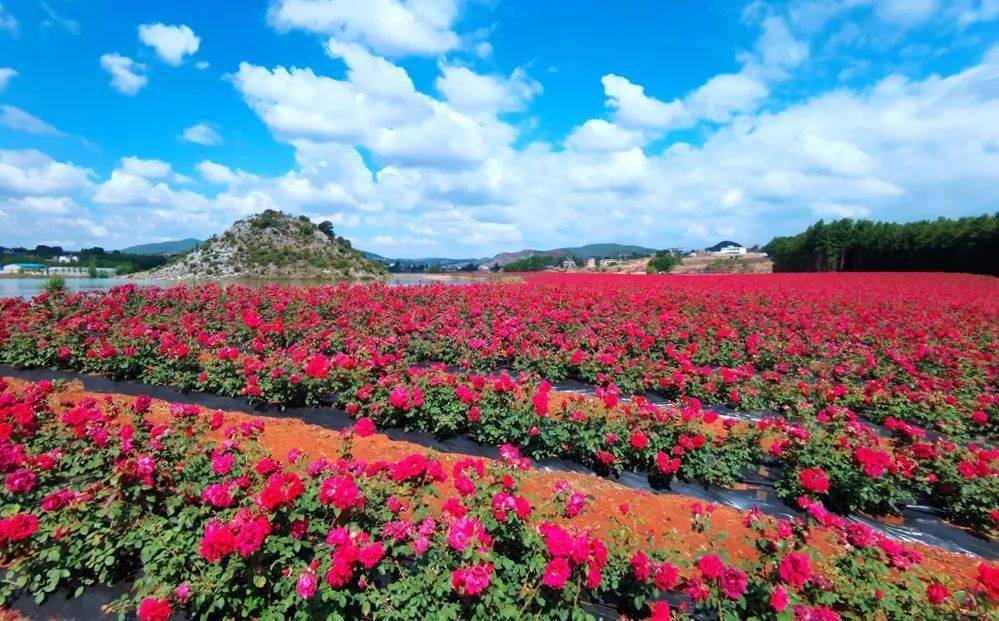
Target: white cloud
{"x": 725, "y": 95}
{"x": 485, "y": 95}
{"x": 634, "y": 109}
{"x": 23, "y": 121}
{"x": 129, "y": 189}
{"x": 214, "y": 172}
{"x": 53, "y": 18}
{"x": 973, "y": 11}
{"x": 597, "y": 135}
{"x": 7, "y": 21}
{"x": 906, "y": 11}
{"x": 52, "y": 205}
{"x": 150, "y": 169}
{"x": 483, "y": 49}
{"x": 172, "y": 43}
{"x": 126, "y": 74}
{"x": 377, "y": 107}
{"x": 33, "y": 173}
{"x": 393, "y": 27}
{"x": 6, "y": 73}
{"x": 837, "y": 210}
{"x": 776, "y": 50}
{"x": 202, "y": 134}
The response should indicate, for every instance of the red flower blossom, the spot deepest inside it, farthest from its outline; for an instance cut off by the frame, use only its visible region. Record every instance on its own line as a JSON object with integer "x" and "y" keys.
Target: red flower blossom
{"x": 152, "y": 609}
{"x": 556, "y": 573}
{"x": 814, "y": 480}
{"x": 364, "y": 427}
{"x": 472, "y": 580}
{"x": 937, "y": 593}
{"x": 795, "y": 569}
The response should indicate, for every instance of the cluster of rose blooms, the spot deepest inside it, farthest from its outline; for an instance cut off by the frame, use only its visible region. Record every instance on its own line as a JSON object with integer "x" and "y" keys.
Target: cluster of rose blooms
{"x": 350, "y": 526}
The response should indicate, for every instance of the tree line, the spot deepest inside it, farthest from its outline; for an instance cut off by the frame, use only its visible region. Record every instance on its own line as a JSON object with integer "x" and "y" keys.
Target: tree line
{"x": 968, "y": 244}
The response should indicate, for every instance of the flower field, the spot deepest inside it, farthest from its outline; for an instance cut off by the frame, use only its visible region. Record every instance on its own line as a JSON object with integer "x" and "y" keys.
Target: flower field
{"x": 863, "y": 392}
{"x": 198, "y": 509}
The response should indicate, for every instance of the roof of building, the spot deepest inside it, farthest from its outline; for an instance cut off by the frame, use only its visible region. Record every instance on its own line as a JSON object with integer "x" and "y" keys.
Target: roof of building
{"x": 722, "y": 244}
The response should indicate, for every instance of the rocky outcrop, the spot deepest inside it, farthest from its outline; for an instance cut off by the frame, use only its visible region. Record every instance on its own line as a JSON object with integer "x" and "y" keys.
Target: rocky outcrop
{"x": 272, "y": 244}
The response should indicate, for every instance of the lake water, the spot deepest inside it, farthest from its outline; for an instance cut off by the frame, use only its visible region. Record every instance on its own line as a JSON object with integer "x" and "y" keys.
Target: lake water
{"x": 29, "y": 287}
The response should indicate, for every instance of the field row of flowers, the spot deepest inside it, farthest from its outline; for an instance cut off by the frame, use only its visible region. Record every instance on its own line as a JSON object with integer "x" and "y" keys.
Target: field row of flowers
{"x": 806, "y": 347}
{"x": 208, "y": 524}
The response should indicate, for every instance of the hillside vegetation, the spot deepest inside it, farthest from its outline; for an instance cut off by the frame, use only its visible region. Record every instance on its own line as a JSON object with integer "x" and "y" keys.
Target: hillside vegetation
{"x": 589, "y": 251}
{"x": 174, "y": 246}
{"x": 273, "y": 244}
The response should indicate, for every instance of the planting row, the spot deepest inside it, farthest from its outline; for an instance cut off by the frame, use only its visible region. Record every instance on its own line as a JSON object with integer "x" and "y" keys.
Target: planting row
{"x": 914, "y": 347}
{"x": 218, "y": 340}
{"x": 208, "y": 524}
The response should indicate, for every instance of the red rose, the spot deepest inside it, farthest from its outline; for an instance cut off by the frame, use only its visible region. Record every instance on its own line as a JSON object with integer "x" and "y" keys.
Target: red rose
{"x": 795, "y": 569}
{"x": 937, "y": 593}
{"x": 21, "y": 481}
{"x": 988, "y": 579}
{"x": 364, "y": 427}
{"x": 814, "y": 480}
{"x": 17, "y": 527}
{"x": 556, "y": 573}
{"x": 152, "y": 609}
{"x": 711, "y": 566}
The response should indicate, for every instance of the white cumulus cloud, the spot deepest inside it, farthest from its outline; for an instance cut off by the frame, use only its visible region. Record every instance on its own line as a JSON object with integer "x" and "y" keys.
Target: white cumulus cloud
{"x": 172, "y": 43}
{"x": 393, "y": 27}
{"x": 126, "y": 74}
{"x": 33, "y": 173}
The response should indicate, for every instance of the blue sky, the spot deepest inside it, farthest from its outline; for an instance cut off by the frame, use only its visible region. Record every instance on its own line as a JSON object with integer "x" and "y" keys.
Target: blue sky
{"x": 463, "y": 128}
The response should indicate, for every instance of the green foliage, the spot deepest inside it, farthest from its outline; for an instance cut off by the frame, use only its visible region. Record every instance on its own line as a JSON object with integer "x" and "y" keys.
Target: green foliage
{"x": 55, "y": 284}
{"x": 663, "y": 262}
{"x": 961, "y": 245}
{"x": 531, "y": 264}
{"x": 269, "y": 218}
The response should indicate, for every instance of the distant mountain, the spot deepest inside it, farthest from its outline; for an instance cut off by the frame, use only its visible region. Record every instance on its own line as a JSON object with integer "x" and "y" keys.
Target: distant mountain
{"x": 589, "y": 251}
{"x": 722, "y": 244}
{"x": 168, "y": 247}
{"x": 272, "y": 244}
{"x": 417, "y": 261}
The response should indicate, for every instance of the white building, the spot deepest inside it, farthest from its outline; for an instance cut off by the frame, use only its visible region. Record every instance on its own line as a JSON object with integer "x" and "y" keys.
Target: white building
{"x": 731, "y": 251}
{"x": 67, "y": 258}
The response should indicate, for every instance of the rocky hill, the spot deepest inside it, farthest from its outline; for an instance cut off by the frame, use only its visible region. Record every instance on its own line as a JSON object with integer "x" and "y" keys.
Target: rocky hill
{"x": 272, "y": 244}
